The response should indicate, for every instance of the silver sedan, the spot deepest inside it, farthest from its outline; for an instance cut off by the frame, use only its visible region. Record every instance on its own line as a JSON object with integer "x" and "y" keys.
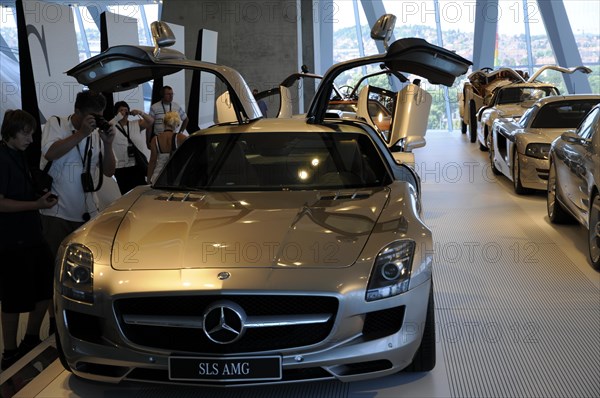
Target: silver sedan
{"x": 575, "y": 179}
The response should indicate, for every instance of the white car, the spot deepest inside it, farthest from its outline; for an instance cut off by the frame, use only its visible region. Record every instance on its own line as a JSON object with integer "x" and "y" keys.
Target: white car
{"x": 512, "y": 100}
{"x": 518, "y": 148}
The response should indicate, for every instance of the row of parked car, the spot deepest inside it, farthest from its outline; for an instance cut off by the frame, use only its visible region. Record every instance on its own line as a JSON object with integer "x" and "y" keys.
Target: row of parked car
{"x": 540, "y": 140}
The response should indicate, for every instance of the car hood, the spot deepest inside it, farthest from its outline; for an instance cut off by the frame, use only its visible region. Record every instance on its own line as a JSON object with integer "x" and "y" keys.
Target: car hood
{"x": 511, "y": 110}
{"x": 542, "y": 135}
{"x": 167, "y": 230}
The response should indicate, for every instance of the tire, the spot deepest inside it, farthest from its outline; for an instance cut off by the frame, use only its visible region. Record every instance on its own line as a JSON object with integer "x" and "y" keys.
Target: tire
{"x": 482, "y": 147}
{"x": 61, "y": 354}
{"x": 594, "y": 232}
{"x": 491, "y": 156}
{"x": 517, "y": 185}
{"x": 424, "y": 359}
{"x": 556, "y": 212}
{"x": 472, "y": 122}
{"x": 463, "y": 127}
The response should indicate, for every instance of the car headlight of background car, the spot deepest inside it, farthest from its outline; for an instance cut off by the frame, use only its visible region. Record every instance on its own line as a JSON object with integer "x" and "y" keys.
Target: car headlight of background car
{"x": 391, "y": 273}
{"x": 538, "y": 151}
{"x": 77, "y": 273}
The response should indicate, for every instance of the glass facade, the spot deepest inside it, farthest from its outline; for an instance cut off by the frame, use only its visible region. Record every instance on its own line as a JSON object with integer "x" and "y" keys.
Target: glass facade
{"x": 521, "y": 40}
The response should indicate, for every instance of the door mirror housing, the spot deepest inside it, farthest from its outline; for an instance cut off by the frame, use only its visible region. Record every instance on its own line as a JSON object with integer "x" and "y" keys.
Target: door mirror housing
{"x": 384, "y": 29}
{"x": 162, "y": 36}
{"x": 572, "y": 137}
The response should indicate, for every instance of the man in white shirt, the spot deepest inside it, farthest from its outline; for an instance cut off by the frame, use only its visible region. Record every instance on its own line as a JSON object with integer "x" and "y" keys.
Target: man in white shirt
{"x": 80, "y": 149}
{"x": 160, "y": 108}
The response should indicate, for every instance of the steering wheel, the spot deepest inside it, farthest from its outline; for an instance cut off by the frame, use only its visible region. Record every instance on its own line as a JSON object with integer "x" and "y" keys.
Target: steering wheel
{"x": 346, "y": 90}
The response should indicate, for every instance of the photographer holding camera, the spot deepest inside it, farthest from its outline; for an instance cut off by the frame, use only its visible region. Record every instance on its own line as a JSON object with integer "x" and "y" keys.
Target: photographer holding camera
{"x": 80, "y": 149}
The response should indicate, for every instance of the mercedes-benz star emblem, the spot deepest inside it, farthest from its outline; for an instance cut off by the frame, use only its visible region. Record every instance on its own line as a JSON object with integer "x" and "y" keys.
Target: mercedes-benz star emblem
{"x": 224, "y": 322}
{"x": 223, "y": 275}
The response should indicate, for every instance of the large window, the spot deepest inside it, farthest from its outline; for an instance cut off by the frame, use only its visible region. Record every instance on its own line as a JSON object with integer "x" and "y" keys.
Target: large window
{"x": 521, "y": 40}
{"x": 584, "y": 18}
{"x": 88, "y": 37}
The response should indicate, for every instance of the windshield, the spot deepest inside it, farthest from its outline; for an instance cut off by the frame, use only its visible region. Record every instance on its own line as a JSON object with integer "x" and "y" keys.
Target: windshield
{"x": 515, "y": 95}
{"x": 275, "y": 161}
{"x": 563, "y": 114}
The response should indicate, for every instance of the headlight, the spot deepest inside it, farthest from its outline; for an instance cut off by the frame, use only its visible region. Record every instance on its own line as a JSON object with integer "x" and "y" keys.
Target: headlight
{"x": 77, "y": 274}
{"x": 538, "y": 151}
{"x": 391, "y": 273}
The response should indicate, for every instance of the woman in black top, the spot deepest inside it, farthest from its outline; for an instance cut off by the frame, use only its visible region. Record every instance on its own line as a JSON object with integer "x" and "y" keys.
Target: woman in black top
{"x": 26, "y": 267}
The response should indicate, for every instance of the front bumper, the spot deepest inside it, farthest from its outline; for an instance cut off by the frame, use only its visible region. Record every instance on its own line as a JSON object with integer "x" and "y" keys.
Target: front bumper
{"x": 348, "y": 353}
{"x": 534, "y": 172}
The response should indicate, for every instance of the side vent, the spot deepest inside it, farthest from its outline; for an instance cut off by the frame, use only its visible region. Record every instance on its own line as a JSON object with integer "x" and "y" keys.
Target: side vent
{"x": 180, "y": 197}
{"x": 345, "y": 196}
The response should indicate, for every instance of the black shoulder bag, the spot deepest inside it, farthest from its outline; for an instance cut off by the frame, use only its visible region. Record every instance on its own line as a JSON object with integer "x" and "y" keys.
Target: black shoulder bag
{"x": 141, "y": 163}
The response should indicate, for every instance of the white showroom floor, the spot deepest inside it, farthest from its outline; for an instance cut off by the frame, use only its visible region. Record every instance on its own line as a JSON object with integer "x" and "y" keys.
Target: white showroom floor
{"x": 517, "y": 303}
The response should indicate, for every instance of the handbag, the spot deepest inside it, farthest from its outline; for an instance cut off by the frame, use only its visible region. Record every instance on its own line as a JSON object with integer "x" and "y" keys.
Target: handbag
{"x": 141, "y": 162}
{"x": 41, "y": 180}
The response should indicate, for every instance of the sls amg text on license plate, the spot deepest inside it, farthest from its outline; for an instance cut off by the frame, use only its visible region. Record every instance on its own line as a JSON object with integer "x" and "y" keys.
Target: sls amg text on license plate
{"x": 225, "y": 369}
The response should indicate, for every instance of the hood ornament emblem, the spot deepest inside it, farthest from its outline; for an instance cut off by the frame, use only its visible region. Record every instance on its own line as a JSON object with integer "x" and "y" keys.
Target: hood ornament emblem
{"x": 223, "y": 276}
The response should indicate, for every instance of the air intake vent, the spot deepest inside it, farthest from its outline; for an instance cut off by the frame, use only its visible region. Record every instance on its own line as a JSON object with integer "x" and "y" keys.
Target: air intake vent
{"x": 180, "y": 197}
{"x": 345, "y": 196}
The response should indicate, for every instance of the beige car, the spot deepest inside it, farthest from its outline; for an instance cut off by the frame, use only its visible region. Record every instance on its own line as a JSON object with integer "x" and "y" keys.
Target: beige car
{"x": 267, "y": 251}
{"x": 476, "y": 94}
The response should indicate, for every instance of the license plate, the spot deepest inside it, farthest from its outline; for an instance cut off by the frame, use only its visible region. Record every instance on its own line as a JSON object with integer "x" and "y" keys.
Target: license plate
{"x": 225, "y": 369}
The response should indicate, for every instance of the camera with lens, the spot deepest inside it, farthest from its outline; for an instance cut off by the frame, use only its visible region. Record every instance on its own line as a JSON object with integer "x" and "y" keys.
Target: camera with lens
{"x": 102, "y": 124}
{"x": 87, "y": 182}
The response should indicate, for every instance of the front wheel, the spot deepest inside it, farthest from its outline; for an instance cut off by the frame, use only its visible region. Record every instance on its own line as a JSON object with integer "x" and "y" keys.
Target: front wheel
{"x": 594, "y": 232}
{"x": 472, "y": 122}
{"x": 463, "y": 127}
{"x": 424, "y": 360}
{"x": 556, "y": 213}
{"x": 482, "y": 147}
{"x": 519, "y": 188}
{"x": 492, "y": 153}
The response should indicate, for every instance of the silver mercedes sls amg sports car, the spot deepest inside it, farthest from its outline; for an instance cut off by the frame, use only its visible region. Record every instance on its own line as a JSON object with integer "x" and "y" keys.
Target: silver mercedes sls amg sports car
{"x": 267, "y": 251}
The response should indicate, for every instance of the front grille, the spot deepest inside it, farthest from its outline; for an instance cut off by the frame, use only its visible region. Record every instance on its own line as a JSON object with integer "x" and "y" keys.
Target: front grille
{"x": 182, "y": 339}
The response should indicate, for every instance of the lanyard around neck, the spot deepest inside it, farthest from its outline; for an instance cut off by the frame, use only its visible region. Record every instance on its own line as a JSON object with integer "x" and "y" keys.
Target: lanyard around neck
{"x": 163, "y": 106}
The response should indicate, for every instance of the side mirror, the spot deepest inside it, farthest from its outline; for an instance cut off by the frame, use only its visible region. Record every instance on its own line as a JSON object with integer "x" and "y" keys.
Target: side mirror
{"x": 162, "y": 35}
{"x": 384, "y": 28}
{"x": 572, "y": 137}
{"x": 407, "y": 158}
{"x": 413, "y": 142}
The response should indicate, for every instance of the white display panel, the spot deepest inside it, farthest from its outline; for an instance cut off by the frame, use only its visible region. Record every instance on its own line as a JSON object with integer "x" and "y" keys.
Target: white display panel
{"x": 53, "y": 48}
